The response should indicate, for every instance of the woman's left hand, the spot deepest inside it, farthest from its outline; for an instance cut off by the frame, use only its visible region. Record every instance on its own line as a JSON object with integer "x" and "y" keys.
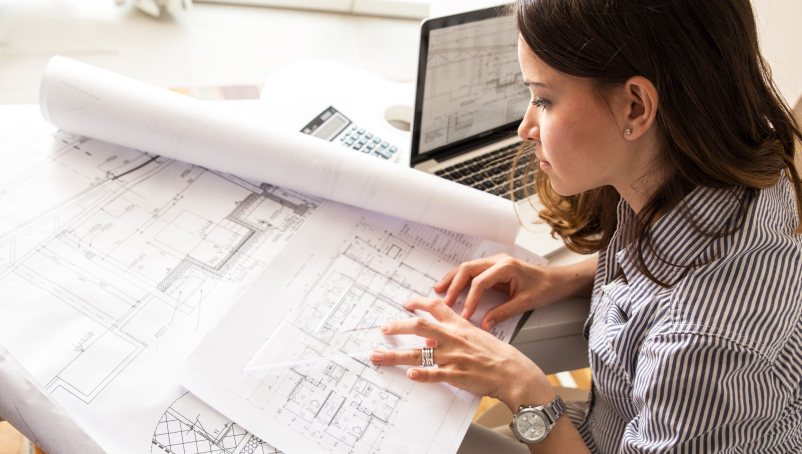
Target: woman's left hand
{"x": 467, "y": 357}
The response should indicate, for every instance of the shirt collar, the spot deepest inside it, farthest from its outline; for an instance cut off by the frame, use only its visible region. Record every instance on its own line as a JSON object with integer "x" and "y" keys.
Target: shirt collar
{"x": 675, "y": 238}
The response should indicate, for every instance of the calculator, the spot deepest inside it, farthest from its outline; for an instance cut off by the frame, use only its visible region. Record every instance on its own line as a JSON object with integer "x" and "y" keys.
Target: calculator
{"x": 335, "y": 127}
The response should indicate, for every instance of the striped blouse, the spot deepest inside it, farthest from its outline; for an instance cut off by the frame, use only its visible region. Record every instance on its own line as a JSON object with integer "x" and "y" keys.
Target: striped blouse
{"x": 713, "y": 363}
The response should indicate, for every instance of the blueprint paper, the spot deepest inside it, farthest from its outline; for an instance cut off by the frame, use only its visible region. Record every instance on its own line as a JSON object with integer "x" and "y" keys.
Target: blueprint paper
{"x": 96, "y": 103}
{"x": 355, "y": 269}
{"x": 345, "y": 289}
{"x": 113, "y": 264}
{"x": 29, "y": 410}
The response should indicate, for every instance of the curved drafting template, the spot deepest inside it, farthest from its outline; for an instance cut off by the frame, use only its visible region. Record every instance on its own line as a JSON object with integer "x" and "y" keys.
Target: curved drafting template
{"x": 328, "y": 293}
{"x": 190, "y": 426}
{"x": 114, "y": 263}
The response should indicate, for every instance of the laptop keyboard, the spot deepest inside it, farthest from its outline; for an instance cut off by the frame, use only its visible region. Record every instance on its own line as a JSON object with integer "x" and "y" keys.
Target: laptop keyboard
{"x": 490, "y": 172}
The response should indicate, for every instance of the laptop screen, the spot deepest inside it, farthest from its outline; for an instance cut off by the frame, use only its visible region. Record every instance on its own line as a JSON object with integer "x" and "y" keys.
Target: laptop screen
{"x": 469, "y": 82}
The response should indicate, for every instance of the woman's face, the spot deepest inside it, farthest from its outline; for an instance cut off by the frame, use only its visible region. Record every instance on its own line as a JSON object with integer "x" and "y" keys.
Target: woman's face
{"x": 580, "y": 139}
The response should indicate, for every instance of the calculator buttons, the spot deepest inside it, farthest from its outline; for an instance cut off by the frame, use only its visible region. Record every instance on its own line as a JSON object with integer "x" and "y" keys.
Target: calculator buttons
{"x": 358, "y": 138}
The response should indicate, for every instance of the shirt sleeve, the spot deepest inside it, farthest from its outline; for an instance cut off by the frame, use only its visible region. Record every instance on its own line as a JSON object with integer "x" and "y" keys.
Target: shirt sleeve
{"x": 701, "y": 393}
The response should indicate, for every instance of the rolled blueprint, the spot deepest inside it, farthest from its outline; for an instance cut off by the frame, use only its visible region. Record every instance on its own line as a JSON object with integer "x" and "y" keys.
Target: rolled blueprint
{"x": 93, "y": 102}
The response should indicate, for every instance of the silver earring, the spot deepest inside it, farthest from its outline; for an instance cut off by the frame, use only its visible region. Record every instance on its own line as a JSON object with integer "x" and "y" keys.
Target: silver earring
{"x": 628, "y": 131}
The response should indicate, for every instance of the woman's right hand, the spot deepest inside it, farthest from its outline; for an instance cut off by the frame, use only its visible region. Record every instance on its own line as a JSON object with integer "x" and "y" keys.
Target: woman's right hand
{"x": 529, "y": 286}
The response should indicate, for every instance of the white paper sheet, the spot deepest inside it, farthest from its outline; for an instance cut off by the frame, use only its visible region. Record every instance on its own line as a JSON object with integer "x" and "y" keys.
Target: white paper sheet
{"x": 30, "y": 411}
{"x": 113, "y": 265}
{"x": 354, "y": 269}
{"x": 96, "y": 103}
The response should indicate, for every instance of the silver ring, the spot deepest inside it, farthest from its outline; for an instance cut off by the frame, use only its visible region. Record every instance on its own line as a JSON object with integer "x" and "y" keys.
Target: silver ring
{"x": 427, "y": 357}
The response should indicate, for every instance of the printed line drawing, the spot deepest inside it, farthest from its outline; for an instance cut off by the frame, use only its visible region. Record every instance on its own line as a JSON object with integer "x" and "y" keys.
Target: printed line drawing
{"x": 123, "y": 260}
{"x": 191, "y": 427}
{"x": 133, "y": 250}
{"x": 342, "y": 402}
{"x": 348, "y": 404}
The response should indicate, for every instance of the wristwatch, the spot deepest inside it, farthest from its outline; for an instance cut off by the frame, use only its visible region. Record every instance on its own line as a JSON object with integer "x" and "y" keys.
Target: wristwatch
{"x": 532, "y": 424}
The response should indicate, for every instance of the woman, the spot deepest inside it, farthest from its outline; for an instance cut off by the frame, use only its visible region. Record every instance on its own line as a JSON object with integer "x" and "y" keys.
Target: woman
{"x": 663, "y": 145}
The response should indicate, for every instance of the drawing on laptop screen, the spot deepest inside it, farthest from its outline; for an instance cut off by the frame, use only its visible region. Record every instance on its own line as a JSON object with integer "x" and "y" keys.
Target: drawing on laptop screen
{"x": 473, "y": 81}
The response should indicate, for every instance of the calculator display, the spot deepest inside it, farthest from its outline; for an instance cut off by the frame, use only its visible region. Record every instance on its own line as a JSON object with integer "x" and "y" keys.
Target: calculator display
{"x": 328, "y": 130}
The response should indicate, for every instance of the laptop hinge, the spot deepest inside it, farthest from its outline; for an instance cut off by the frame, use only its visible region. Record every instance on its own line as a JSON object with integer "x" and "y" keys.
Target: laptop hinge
{"x": 473, "y": 144}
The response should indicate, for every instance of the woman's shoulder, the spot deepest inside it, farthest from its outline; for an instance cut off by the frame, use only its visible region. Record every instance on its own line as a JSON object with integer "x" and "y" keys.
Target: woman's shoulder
{"x": 751, "y": 293}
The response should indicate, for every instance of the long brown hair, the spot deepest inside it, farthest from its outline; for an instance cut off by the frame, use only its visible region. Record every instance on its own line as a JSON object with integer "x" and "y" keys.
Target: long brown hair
{"x": 722, "y": 122}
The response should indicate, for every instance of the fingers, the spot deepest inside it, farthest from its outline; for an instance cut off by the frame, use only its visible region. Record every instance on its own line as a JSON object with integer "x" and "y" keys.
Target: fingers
{"x": 441, "y": 312}
{"x": 417, "y": 326}
{"x": 462, "y": 276}
{"x": 397, "y": 358}
{"x": 442, "y": 286}
{"x": 503, "y": 312}
{"x": 413, "y": 358}
{"x": 433, "y": 375}
{"x": 497, "y": 274}
{"x": 457, "y": 279}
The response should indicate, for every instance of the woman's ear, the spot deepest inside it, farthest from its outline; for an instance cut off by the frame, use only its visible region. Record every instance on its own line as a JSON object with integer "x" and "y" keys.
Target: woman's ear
{"x": 641, "y": 107}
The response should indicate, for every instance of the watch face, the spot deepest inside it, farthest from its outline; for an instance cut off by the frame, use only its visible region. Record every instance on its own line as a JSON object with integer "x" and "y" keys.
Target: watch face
{"x": 531, "y": 426}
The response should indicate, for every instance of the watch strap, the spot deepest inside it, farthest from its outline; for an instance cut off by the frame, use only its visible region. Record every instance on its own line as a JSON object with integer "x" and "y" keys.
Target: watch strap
{"x": 554, "y": 410}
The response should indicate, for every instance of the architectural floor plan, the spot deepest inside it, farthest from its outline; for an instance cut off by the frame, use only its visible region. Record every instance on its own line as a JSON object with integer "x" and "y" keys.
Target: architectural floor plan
{"x": 321, "y": 311}
{"x": 473, "y": 81}
{"x": 123, "y": 260}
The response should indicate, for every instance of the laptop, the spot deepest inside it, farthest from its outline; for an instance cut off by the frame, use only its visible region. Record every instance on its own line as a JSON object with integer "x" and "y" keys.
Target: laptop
{"x": 469, "y": 101}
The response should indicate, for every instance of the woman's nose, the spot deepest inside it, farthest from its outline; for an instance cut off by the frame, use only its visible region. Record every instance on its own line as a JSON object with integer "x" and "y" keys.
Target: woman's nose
{"x": 529, "y": 129}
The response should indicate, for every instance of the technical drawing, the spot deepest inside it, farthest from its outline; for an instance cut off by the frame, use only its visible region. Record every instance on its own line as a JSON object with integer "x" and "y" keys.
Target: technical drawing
{"x": 444, "y": 244}
{"x": 363, "y": 286}
{"x": 147, "y": 243}
{"x": 290, "y": 360}
{"x": 124, "y": 260}
{"x": 346, "y": 403}
{"x": 191, "y": 427}
{"x": 343, "y": 406}
{"x": 473, "y": 81}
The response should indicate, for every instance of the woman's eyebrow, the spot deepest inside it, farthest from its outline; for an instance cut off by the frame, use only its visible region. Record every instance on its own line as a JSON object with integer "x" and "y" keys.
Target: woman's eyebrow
{"x": 539, "y": 84}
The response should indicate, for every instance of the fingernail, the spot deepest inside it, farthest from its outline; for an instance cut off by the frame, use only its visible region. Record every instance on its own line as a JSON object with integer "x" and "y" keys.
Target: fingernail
{"x": 413, "y": 374}
{"x": 491, "y": 324}
{"x": 377, "y": 357}
{"x": 464, "y": 313}
{"x": 406, "y": 303}
{"x": 386, "y": 327}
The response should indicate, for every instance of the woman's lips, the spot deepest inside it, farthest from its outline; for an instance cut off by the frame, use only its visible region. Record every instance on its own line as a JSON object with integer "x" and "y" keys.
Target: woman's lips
{"x": 544, "y": 165}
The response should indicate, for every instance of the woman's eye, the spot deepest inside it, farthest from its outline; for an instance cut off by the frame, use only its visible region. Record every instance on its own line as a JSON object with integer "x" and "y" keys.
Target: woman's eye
{"x": 542, "y": 103}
